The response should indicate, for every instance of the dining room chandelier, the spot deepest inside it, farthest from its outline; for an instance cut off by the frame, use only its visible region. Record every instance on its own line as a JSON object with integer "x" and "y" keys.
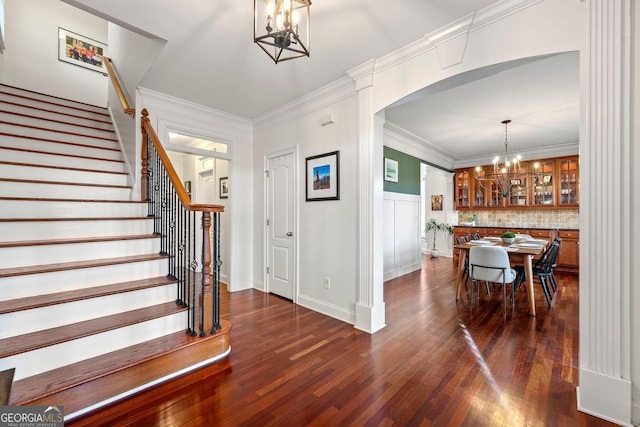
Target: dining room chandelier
{"x": 281, "y": 28}
{"x": 509, "y": 177}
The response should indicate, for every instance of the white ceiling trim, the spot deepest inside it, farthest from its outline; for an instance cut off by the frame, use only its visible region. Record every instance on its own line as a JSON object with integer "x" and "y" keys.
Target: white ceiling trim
{"x": 330, "y": 94}
{"x": 466, "y": 24}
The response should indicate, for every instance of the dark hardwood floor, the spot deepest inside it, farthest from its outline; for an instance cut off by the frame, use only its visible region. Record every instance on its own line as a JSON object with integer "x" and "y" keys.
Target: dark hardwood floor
{"x": 436, "y": 364}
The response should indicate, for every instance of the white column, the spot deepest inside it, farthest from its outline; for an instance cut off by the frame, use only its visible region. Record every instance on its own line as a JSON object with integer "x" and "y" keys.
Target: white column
{"x": 606, "y": 190}
{"x": 370, "y": 315}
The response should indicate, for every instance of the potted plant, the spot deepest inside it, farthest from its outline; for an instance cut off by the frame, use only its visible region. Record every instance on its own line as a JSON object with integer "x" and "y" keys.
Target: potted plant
{"x": 508, "y": 237}
{"x": 434, "y": 226}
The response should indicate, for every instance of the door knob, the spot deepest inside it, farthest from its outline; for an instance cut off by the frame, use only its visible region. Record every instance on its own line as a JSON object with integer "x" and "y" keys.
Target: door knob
{"x": 290, "y": 234}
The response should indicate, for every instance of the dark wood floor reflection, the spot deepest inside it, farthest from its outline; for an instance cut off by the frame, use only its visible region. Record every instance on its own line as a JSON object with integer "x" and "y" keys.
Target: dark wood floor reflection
{"x": 435, "y": 364}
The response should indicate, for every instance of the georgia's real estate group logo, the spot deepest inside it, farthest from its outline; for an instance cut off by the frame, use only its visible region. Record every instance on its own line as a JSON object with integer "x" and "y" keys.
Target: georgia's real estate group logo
{"x": 31, "y": 416}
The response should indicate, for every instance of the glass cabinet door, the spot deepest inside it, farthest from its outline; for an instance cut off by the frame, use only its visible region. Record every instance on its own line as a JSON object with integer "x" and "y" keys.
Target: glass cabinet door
{"x": 462, "y": 189}
{"x": 543, "y": 190}
{"x": 518, "y": 195}
{"x": 569, "y": 189}
{"x": 479, "y": 192}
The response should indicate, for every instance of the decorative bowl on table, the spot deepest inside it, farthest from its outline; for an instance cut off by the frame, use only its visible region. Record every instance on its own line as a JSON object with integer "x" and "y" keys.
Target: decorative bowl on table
{"x": 508, "y": 237}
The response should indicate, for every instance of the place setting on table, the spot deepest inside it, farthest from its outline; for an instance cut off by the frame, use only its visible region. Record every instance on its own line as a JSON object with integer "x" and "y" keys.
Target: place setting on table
{"x": 521, "y": 248}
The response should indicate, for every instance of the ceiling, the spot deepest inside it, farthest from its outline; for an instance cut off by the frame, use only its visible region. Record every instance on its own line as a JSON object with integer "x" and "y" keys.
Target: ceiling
{"x": 210, "y": 58}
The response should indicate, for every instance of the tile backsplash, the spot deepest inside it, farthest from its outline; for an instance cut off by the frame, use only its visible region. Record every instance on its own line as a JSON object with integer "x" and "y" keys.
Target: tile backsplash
{"x": 543, "y": 218}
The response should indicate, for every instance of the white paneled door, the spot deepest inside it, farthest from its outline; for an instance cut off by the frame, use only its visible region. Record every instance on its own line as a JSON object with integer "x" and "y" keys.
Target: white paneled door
{"x": 281, "y": 241}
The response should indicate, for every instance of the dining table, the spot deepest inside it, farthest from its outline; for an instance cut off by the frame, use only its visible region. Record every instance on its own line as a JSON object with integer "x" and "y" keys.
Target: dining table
{"x": 522, "y": 251}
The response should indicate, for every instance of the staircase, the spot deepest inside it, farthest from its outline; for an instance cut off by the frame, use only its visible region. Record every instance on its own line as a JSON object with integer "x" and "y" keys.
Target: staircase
{"x": 87, "y": 313}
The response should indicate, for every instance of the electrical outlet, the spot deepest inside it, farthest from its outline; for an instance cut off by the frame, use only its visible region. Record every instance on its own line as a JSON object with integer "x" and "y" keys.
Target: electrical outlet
{"x": 327, "y": 283}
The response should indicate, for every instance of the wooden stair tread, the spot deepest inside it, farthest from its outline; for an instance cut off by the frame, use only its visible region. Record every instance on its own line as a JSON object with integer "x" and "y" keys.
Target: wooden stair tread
{"x": 67, "y": 168}
{"x": 102, "y": 138}
{"x": 47, "y": 199}
{"x": 28, "y": 116}
{"x": 48, "y": 337}
{"x": 108, "y": 218}
{"x": 104, "y": 111}
{"x": 52, "y": 153}
{"x": 77, "y": 240}
{"x": 31, "y": 107}
{"x": 48, "y": 268}
{"x": 27, "y": 303}
{"x": 56, "y": 141}
{"x": 79, "y": 184}
{"x": 49, "y": 383}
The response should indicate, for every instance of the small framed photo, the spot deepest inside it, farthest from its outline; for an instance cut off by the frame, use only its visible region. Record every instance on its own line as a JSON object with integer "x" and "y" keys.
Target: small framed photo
{"x": 81, "y": 51}
{"x": 436, "y": 202}
{"x": 390, "y": 170}
{"x": 546, "y": 179}
{"x": 323, "y": 177}
{"x": 224, "y": 187}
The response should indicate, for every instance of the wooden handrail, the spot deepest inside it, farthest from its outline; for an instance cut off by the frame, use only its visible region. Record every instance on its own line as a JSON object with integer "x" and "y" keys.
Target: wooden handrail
{"x": 147, "y": 129}
{"x": 118, "y": 88}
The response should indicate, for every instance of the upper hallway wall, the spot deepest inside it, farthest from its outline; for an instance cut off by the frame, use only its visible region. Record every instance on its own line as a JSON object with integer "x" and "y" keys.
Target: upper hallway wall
{"x": 31, "y": 60}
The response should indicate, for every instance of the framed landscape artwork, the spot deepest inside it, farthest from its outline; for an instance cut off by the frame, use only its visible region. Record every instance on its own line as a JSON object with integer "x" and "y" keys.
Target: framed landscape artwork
{"x": 390, "y": 170}
{"x": 81, "y": 51}
{"x": 323, "y": 177}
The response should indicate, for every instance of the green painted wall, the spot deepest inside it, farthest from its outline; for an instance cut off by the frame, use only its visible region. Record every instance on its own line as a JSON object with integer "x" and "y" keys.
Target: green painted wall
{"x": 408, "y": 173}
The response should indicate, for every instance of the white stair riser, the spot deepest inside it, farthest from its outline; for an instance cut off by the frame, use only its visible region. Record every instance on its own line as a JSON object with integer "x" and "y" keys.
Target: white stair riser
{"x": 50, "y": 147}
{"x": 53, "y": 125}
{"x": 42, "y": 100}
{"x": 47, "y": 358}
{"x": 22, "y": 256}
{"x": 58, "y": 281}
{"x": 29, "y": 230}
{"x": 54, "y": 115}
{"x": 55, "y": 160}
{"x": 57, "y": 136}
{"x": 27, "y": 321}
{"x": 50, "y": 174}
{"x": 38, "y": 190}
{"x": 71, "y": 209}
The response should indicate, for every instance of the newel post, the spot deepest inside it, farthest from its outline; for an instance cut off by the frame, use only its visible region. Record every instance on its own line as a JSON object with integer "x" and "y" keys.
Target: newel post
{"x": 144, "y": 170}
{"x": 206, "y": 296}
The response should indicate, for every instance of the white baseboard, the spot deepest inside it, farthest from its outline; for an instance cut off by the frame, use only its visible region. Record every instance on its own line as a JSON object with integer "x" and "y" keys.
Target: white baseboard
{"x": 327, "y": 309}
{"x": 388, "y": 275}
{"x": 605, "y": 397}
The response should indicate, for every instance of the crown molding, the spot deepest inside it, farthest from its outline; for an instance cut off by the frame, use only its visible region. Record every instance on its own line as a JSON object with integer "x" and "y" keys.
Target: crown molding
{"x": 330, "y": 94}
{"x": 416, "y": 146}
{"x": 462, "y": 26}
{"x": 172, "y": 103}
{"x": 560, "y": 150}
{"x": 363, "y": 74}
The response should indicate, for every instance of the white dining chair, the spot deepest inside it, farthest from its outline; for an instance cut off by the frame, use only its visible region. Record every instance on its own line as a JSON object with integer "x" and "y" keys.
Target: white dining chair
{"x": 491, "y": 264}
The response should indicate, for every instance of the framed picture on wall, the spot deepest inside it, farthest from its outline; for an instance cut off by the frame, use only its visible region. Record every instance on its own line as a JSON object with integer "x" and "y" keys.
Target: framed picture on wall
{"x": 436, "y": 202}
{"x": 390, "y": 170}
{"x": 224, "y": 187}
{"x": 323, "y": 177}
{"x": 81, "y": 51}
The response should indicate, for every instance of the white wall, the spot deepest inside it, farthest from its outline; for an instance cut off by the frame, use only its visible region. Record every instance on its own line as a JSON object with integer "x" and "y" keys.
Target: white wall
{"x": 401, "y": 251}
{"x": 327, "y": 230}
{"x": 30, "y": 59}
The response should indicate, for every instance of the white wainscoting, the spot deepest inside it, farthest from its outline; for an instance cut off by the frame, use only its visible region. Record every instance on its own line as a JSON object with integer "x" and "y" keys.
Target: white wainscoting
{"x": 401, "y": 250}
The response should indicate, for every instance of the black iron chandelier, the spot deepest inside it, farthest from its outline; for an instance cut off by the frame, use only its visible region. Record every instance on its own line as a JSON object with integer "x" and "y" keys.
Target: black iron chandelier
{"x": 507, "y": 178}
{"x": 281, "y": 28}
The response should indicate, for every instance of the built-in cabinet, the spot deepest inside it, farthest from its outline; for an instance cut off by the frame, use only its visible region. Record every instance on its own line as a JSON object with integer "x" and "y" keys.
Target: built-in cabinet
{"x": 568, "y": 257}
{"x": 557, "y": 186}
